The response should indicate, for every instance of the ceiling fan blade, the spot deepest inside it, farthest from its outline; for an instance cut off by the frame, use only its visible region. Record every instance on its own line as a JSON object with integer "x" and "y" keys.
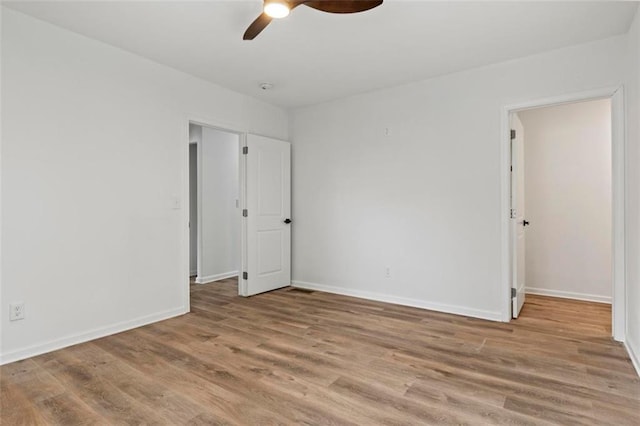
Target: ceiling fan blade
{"x": 343, "y": 6}
{"x": 257, "y": 26}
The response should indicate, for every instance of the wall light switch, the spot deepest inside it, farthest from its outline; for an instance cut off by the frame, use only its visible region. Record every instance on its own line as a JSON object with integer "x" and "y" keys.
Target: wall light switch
{"x": 175, "y": 203}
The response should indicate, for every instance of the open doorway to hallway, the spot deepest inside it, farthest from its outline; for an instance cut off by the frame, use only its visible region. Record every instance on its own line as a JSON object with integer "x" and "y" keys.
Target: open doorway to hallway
{"x": 561, "y": 206}
{"x": 240, "y": 209}
{"x": 214, "y": 206}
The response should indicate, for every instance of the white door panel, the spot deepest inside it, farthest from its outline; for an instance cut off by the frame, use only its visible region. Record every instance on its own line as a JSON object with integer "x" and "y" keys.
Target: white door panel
{"x": 268, "y": 202}
{"x": 518, "y": 221}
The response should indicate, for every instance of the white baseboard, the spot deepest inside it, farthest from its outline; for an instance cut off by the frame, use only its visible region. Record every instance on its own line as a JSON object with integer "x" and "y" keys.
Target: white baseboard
{"x": 635, "y": 357}
{"x": 216, "y": 277}
{"x": 97, "y": 333}
{"x": 416, "y": 303}
{"x": 568, "y": 295}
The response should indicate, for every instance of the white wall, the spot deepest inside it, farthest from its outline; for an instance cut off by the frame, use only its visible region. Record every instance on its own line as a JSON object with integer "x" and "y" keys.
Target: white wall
{"x": 424, "y": 199}
{"x": 2, "y": 311}
{"x": 568, "y": 200}
{"x": 220, "y": 218}
{"x": 94, "y": 157}
{"x": 632, "y": 97}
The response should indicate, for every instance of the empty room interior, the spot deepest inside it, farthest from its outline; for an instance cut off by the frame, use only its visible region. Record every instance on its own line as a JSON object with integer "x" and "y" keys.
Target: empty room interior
{"x": 319, "y": 212}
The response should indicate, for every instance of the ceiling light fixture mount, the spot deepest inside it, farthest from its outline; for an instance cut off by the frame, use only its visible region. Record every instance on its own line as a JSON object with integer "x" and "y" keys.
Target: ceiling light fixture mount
{"x": 266, "y": 86}
{"x": 276, "y": 8}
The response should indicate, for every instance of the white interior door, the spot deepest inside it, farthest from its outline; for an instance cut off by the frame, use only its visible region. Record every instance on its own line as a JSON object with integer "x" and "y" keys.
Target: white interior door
{"x": 518, "y": 220}
{"x": 268, "y": 216}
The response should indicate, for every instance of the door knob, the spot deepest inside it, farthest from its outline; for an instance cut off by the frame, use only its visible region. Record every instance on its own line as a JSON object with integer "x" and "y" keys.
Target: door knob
{"x": 287, "y": 221}
{"x": 525, "y": 223}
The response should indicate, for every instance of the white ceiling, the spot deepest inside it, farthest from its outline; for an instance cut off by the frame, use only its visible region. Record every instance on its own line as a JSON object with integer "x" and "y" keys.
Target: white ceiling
{"x": 313, "y": 57}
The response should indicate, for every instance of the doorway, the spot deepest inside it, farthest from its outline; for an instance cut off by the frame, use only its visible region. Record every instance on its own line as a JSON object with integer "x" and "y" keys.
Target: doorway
{"x": 564, "y": 226}
{"x": 238, "y": 224}
{"x": 214, "y": 204}
{"x": 562, "y": 174}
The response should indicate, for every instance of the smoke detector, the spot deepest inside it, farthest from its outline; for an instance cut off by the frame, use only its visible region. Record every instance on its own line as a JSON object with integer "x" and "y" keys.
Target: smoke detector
{"x": 266, "y": 86}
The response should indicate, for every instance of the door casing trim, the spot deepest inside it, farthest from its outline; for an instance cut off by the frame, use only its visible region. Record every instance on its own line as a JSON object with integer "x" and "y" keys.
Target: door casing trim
{"x": 616, "y": 94}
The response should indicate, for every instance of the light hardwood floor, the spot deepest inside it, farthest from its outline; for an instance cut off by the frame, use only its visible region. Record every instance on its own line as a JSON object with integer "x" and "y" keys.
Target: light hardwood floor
{"x": 291, "y": 357}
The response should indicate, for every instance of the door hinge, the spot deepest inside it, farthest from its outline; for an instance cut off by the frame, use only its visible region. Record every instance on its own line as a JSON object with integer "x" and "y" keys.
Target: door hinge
{"x": 245, "y": 150}
{"x": 245, "y": 276}
{"x": 514, "y": 292}
{"x": 513, "y": 213}
{"x": 245, "y": 213}
{"x": 513, "y": 134}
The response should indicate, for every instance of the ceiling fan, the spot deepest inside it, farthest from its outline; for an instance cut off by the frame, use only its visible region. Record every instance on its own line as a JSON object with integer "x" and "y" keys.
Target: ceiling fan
{"x": 281, "y": 8}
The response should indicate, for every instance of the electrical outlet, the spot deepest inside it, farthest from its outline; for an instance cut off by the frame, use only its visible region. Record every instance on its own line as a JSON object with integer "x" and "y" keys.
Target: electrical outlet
{"x": 387, "y": 272}
{"x": 16, "y": 311}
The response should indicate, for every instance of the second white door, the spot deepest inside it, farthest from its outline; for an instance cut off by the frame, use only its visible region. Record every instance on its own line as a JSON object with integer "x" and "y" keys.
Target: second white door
{"x": 268, "y": 215}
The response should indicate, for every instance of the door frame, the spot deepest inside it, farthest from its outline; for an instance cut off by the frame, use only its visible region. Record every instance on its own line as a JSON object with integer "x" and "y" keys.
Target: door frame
{"x": 618, "y": 300}
{"x": 185, "y": 234}
{"x": 517, "y": 298}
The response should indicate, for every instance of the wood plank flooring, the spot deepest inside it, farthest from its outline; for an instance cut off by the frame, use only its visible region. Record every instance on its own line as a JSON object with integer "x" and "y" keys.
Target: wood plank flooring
{"x": 298, "y": 357}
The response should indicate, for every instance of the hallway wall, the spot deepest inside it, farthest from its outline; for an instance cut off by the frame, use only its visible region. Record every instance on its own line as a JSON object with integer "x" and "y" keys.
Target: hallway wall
{"x": 568, "y": 200}
{"x": 219, "y": 225}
